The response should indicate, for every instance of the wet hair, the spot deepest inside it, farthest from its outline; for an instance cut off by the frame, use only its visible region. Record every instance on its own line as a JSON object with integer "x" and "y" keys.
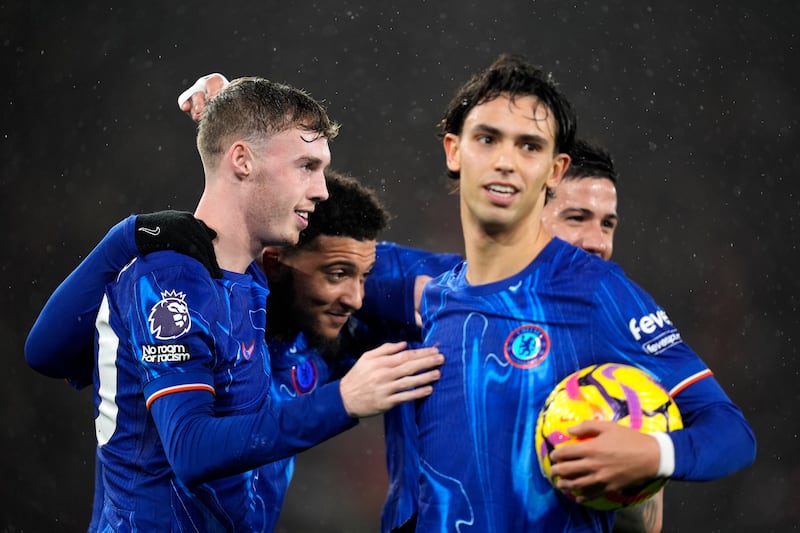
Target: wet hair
{"x": 588, "y": 160}
{"x": 351, "y": 210}
{"x": 252, "y": 109}
{"x": 512, "y": 76}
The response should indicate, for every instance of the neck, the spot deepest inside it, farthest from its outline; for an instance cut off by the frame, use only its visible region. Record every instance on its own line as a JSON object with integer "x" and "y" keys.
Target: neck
{"x": 494, "y": 255}
{"x": 233, "y": 245}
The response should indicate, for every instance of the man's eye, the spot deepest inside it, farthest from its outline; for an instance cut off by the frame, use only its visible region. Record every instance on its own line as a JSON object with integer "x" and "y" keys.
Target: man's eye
{"x": 610, "y": 225}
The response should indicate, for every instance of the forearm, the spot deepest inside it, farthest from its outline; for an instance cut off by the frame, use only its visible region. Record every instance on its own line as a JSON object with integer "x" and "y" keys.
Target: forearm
{"x": 201, "y": 446}
{"x": 60, "y": 343}
{"x": 646, "y": 517}
{"x": 716, "y": 441}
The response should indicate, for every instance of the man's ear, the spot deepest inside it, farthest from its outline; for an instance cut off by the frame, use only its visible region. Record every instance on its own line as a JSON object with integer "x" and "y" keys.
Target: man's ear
{"x": 271, "y": 262}
{"x": 560, "y": 165}
{"x": 241, "y": 159}
{"x": 451, "y": 152}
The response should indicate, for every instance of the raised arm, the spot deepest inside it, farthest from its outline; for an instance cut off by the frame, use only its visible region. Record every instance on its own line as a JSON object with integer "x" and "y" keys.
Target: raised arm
{"x": 60, "y": 343}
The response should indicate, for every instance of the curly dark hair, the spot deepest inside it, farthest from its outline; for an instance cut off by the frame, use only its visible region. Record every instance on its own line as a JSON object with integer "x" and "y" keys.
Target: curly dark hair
{"x": 351, "y": 210}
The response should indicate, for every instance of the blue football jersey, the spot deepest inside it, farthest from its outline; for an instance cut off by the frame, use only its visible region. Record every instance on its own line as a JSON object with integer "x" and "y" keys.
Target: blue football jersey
{"x": 507, "y": 344}
{"x": 389, "y": 290}
{"x": 297, "y": 369}
{"x": 166, "y": 326}
{"x": 402, "y": 465}
{"x": 389, "y": 311}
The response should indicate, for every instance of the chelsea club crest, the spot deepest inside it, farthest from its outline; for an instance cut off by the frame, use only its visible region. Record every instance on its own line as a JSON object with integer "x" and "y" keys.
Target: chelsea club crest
{"x": 527, "y": 346}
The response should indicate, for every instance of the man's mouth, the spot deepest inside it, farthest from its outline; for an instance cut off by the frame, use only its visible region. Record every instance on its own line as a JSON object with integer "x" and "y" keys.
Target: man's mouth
{"x": 503, "y": 190}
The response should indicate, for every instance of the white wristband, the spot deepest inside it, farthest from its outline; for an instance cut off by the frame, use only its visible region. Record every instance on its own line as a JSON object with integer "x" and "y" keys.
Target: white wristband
{"x": 666, "y": 461}
{"x": 199, "y": 87}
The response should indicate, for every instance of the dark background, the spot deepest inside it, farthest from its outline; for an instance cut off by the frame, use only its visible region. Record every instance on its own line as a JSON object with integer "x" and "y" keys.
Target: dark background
{"x": 697, "y": 100}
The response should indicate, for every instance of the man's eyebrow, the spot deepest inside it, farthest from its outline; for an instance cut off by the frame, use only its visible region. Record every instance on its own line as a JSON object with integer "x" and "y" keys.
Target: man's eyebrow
{"x": 345, "y": 264}
{"x": 310, "y": 160}
{"x": 485, "y": 128}
{"x": 586, "y": 212}
{"x": 529, "y": 138}
{"x": 577, "y": 210}
{"x": 525, "y": 137}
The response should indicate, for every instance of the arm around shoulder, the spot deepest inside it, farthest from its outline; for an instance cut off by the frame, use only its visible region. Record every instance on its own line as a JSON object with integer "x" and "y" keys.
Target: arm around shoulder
{"x": 59, "y": 344}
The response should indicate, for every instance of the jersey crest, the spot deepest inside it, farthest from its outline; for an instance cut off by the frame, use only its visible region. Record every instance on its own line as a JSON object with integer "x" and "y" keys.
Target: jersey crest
{"x": 527, "y": 346}
{"x": 305, "y": 376}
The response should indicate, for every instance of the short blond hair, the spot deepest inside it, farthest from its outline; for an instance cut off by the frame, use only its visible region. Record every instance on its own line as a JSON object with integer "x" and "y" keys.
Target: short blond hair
{"x": 253, "y": 109}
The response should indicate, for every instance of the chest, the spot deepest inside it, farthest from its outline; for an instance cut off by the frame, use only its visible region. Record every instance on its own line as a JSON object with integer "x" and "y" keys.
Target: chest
{"x": 241, "y": 366}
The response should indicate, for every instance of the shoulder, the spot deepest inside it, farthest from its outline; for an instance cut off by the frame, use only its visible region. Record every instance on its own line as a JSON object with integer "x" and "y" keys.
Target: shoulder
{"x": 165, "y": 261}
{"x": 568, "y": 264}
{"x": 568, "y": 258}
{"x": 451, "y": 275}
{"x": 153, "y": 275}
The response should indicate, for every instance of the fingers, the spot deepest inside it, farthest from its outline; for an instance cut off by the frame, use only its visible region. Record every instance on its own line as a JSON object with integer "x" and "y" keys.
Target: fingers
{"x": 387, "y": 348}
{"x": 214, "y": 85}
{"x": 582, "y": 477}
{"x": 418, "y": 361}
{"x": 388, "y": 376}
{"x": 193, "y": 100}
{"x": 194, "y": 105}
{"x": 591, "y": 428}
{"x": 412, "y": 394}
{"x": 607, "y": 455}
{"x": 414, "y": 381}
{"x": 406, "y": 369}
{"x": 583, "y": 432}
{"x": 198, "y": 101}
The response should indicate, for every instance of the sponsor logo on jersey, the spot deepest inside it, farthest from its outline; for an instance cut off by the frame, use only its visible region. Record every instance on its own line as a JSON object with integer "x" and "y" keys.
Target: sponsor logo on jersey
{"x": 527, "y": 346}
{"x": 165, "y": 353}
{"x": 169, "y": 317}
{"x": 661, "y": 343}
{"x": 657, "y": 324}
{"x": 304, "y": 377}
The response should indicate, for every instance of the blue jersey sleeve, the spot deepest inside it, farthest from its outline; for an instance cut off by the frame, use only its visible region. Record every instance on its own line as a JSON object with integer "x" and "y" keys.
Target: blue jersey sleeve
{"x": 389, "y": 292}
{"x": 59, "y": 344}
{"x": 192, "y": 350}
{"x": 709, "y": 416}
{"x": 201, "y": 446}
{"x": 716, "y": 439}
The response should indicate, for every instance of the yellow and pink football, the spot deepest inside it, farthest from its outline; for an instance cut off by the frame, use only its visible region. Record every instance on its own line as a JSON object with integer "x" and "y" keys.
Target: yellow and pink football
{"x": 620, "y": 393}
